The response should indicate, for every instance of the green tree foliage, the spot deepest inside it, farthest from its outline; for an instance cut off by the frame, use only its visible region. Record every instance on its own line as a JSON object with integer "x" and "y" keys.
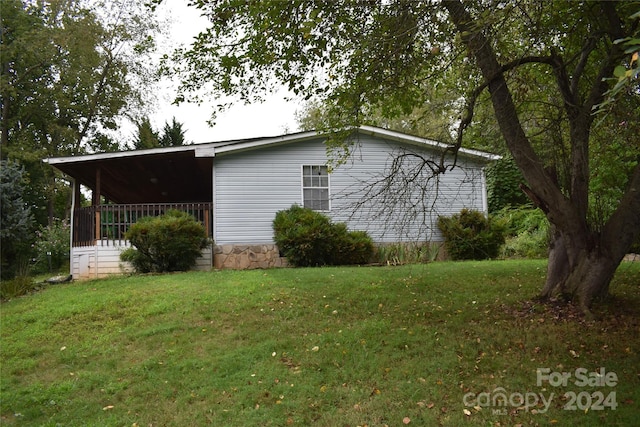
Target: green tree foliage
{"x": 51, "y": 248}
{"x": 172, "y": 135}
{"x": 16, "y": 220}
{"x": 470, "y": 235}
{"x": 433, "y": 120}
{"x": 309, "y": 238}
{"x": 147, "y": 137}
{"x": 170, "y": 242}
{"x": 536, "y": 70}
{"x": 69, "y": 70}
{"x": 626, "y": 75}
{"x": 526, "y": 232}
{"x": 503, "y": 185}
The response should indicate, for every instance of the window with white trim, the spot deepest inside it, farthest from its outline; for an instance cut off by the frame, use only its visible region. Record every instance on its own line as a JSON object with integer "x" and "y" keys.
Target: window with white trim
{"x": 315, "y": 187}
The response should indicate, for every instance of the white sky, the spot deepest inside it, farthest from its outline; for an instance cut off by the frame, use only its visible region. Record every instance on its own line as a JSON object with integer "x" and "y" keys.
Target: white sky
{"x": 273, "y": 117}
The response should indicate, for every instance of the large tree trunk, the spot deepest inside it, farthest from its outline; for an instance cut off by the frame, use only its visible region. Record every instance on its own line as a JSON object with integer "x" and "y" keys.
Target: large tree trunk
{"x": 581, "y": 261}
{"x": 584, "y": 275}
{"x": 582, "y": 279}
{"x": 589, "y": 280}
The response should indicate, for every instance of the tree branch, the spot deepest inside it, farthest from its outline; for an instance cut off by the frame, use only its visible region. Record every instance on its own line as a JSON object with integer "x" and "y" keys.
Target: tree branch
{"x": 561, "y": 210}
{"x": 623, "y": 227}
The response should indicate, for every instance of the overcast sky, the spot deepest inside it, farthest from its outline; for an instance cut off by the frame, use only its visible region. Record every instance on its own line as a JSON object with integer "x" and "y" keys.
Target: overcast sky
{"x": 273, "y": 117}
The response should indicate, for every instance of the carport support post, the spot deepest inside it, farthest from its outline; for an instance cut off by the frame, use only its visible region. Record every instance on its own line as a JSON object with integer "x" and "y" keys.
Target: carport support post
{"x": 96, "y": 203}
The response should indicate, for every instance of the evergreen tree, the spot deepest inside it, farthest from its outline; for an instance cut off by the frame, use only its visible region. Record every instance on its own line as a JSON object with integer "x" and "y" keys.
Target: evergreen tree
{"x": 16, "y": 220}
{"x": 173, "y": 134}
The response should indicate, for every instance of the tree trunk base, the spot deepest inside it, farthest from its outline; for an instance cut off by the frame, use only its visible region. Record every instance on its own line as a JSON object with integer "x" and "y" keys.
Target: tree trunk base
{"x": 582, "y": 281}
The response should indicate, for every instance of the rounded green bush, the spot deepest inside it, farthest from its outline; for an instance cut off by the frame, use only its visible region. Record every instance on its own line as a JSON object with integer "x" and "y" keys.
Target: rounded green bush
{"x": 170, "y": 242}
{"x": 309, "y": 238}
{"x": 470, "y": 235}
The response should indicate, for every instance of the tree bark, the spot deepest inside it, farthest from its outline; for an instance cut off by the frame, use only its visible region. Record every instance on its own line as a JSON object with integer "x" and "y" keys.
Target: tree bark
{"x": 586, "y": 280}
{"x": 557, "y": 267}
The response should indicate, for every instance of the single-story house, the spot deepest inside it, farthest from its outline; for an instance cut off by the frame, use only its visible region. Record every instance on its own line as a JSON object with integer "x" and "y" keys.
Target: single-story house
{"x": 384, "y": 186}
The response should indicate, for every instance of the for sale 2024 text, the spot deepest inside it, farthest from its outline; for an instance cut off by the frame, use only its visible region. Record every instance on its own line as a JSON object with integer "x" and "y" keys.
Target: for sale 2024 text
{"x": 582, "y": 377}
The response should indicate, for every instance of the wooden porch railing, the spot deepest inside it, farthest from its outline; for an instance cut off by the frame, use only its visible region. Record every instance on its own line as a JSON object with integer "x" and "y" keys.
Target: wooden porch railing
{"x": 110, "y": 222}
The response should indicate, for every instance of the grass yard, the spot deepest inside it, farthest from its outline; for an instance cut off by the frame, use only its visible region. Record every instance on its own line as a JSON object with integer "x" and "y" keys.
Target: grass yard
{"x": 447, "y": 344}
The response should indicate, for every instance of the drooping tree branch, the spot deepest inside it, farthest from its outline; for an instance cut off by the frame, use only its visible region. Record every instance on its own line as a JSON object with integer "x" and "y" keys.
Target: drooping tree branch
{"x": 561, "y": 209}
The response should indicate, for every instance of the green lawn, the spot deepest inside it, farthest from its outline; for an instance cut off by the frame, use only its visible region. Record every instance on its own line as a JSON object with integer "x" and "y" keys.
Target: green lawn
{"x": 328, "y": 346}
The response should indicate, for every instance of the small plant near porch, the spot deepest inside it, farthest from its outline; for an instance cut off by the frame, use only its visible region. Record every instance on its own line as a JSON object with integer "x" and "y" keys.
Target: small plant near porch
{"x": 170, "y": 242}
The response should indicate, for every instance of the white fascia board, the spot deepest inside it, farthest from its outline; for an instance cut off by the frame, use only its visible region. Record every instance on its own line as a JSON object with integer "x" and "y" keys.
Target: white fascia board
{"x": 211, "y": 149}
{"x": 419, "y": 141}
{"x": 118, "y": 154}
{"x": 238, "y": 146}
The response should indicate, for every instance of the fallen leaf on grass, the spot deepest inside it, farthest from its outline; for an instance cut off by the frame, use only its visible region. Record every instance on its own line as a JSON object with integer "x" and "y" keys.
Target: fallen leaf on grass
{"x": 406, "y": 420}
{"x": 106, "y": 408}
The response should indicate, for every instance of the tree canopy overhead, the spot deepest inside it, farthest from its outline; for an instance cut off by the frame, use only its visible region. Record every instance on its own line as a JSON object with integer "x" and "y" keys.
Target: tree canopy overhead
{"x": 540, "y": 68}
{"x": 69, "y": 72}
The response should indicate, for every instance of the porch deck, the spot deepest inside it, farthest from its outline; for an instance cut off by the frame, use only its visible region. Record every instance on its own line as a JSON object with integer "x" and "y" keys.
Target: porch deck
{"x": 109, "y": 223}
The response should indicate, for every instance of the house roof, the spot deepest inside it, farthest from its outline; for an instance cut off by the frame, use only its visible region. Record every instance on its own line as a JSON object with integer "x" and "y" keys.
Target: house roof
{"x": 183, "y": 173}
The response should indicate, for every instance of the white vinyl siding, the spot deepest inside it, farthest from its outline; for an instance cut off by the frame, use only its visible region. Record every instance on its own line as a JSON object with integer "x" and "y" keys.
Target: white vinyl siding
{"x": 315, "y": 187}
{"x": 251, "y": 186}
{"x": 415, "y": 217}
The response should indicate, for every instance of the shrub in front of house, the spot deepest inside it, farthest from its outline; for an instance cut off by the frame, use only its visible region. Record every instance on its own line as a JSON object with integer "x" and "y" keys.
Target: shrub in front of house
{"x": 309, "y": 238}
{"x": 352, "y": 247}
{"x": 170, "y": 242}
{"x": 471, "y": 235}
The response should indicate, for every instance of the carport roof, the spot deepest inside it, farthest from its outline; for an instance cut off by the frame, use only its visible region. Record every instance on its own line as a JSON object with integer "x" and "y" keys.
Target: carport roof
{"x": 148, "y": 177}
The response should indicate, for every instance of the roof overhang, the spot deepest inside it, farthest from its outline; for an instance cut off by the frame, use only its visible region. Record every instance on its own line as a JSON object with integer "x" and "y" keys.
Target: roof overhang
{"x": 422, "y": 142}
{"x": 184, "y": 173}
{"x": 145, "y": 176}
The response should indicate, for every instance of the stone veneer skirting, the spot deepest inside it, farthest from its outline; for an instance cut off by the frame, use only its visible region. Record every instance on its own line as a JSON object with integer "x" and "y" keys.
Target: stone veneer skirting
{"x": 242, "y": 257}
